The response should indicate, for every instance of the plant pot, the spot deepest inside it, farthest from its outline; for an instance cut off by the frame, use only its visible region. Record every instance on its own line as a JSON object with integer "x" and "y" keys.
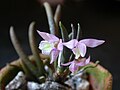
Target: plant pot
{"x": 99, "y": 77}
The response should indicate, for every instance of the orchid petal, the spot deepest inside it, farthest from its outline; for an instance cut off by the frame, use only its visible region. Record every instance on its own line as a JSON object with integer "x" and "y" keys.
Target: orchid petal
{"x": 48, "y": 37}
{"x": 73, "y": 67}
{"x": 44, "y": 35}
{"x": 92, "y": 42}
{"x": 54, "y": 55}
{"x": 53, "y": 38}
{"x": 66, "y": 64}
{"x": 45, "y": 52}
{"x": 46, "y": 47}
{"x": 60, "y": 45}
{"x": 87, "y": 61}
{"x": 71, "y": 44}
{"x": 76, "y": 52}
{"x": 82, "y": 48}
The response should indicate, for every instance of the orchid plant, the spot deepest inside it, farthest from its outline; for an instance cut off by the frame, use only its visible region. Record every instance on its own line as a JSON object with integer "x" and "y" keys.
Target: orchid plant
{"x": 63, "y": 53}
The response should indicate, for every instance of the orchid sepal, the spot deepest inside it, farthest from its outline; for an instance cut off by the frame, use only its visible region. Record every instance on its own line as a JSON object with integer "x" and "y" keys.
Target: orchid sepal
{"x": 92, "y": 42}
{"x": 48, "y": 37}
{"x": 54, "y": 54}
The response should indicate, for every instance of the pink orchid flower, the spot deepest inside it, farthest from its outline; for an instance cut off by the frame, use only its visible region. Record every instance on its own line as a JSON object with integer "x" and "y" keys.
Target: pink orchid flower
{"x": 79, "y": 47}
{"x": 75, "y": 64}
{"x": 51, "y": 45}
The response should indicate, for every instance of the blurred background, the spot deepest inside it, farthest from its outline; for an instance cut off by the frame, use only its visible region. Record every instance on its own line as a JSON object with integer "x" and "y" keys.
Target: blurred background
{"x": 98, "y": 19}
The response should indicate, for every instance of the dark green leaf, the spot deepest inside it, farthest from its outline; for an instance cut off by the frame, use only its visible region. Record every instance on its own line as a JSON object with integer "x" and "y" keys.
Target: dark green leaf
{"x": 27, "y": 65}
{"x": 34, "y": 48}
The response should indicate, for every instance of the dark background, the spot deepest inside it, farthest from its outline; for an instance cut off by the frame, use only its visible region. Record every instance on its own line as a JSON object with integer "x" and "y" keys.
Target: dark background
{"x": 98, "y": 19}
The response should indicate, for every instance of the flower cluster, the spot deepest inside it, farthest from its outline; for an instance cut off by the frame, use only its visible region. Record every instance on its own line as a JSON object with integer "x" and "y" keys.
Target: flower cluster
{"x": 53, "y": 46}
